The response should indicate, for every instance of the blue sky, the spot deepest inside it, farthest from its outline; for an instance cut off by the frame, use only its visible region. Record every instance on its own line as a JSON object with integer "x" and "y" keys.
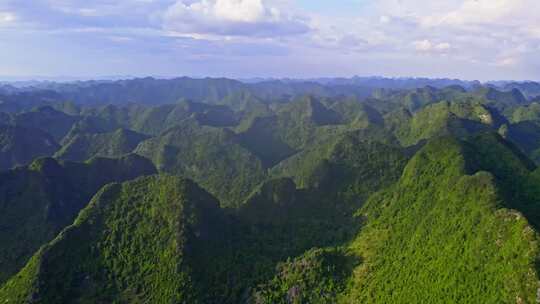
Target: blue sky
{"x": 468, "y": 39}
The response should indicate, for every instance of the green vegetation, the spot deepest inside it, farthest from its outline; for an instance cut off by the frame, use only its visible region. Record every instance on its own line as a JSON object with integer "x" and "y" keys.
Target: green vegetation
{"x": 329, "y": 191}
{"x": 132, "y": 244}
{"x": 81, "y": 147}
{"x": 439, "y": 119}
{"x": 351, "y": 166}
{"x": 19, "y": 146}
{"x": 39, "y": 200}
{"x": 261, "y": 139}
{"x": 318, "y": 277}
{"x": 529, "y": 112}
{"x": 47, "y": 119}
{"x": 443, "y": 235}
{"x": 501, "y": 98}
{"x": 210, "y": 156}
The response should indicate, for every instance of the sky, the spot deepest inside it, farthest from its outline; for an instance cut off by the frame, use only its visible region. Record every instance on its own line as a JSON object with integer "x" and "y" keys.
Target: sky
{"x": 466, "y": 39}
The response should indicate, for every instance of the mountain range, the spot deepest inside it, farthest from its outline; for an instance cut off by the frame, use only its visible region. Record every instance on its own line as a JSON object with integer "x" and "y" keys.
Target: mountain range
{"x": 360, "y": 190}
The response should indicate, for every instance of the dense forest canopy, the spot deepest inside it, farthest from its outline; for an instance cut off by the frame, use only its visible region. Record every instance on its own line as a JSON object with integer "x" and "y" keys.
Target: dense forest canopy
{"x": 330, "y": 190}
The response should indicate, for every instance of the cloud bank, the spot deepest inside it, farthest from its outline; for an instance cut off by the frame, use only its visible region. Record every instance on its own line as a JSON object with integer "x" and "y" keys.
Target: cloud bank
{"x": 458, "y": 38}
{"x": 231, "y": 18}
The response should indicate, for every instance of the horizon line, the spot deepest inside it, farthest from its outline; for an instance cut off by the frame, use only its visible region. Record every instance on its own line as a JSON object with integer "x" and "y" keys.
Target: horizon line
{"x": 67, "y": 79}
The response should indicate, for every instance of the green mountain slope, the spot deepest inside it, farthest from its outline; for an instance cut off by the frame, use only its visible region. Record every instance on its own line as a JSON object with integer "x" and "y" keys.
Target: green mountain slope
{"x": 134, "y": 243}
{"x": 414, "y": 100}
{"x": 304, "y": 121}
{"x": 529, "y": 112}
{"x": 19, "y": 146}
{"x": 414, "y": 195}
{"x": 459, "y": 119}
{"x": 503, "y": 98}
{"x": 526, "y": 135}
{"x": 304, "y": 124}
{"x": 276, "y": 223}
{"x": 357, "y": 167}
{"x": 152, "y": 120}
{"x": 47, "y": 119}
{"x": 37, "y": 201}
{"x": 279, "y": 221}
{"x": 262, "y": 139}
{"x": 443, "y": 233}
{"x": 357, "y": 114}
{"x": 84, "y": 146}
{"x": 20, "y": 101}
{"x": 528, "y": 88}
{"x": 151, "y": 91}
{"x": 335, "y": 163}
{"x": 238, "y": 252}
{"x": 318, "y": 276}
{"x": 213, "y": 157}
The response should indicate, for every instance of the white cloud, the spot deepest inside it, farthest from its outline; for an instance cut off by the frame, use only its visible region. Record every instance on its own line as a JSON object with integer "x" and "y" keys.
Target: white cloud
{"x": 464, "y": 14}
{"x": 506, "y": 62}
{"x": 444, "y": 46}
{"x": 7, "y": 18}
{"x": 423, "y": 45}
{"x": 497, "y": 33}
{"x": 240, "y": 10}
{"x": 428, "y": 46}
{"x": 120, "y": 39}
{"x": 231, "y": 18}
{"x": 486, "y": 12}
{"x": 464, "y": 37}
{"x": 384, "y": 19}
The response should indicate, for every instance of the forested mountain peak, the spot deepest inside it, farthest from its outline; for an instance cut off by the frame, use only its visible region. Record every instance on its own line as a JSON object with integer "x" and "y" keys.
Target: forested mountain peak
{"x": 443, "y": 211}
{"x": 276, "y": 191}
{"x": 96, "y": 246}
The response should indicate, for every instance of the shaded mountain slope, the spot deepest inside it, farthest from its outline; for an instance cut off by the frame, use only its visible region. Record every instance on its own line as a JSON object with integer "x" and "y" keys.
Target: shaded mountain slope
{"x": 134, "y": 243}
{"x": 529, "y": 89}
{"x": 210, "y": 156}
{"x": 529, "y": 112}
{"x": 163, "y": 239}
{"x": 304, "y": 123}
{"x": 152, "y": 120}
{"x": 85, "y": 146}
{"x": 459, "y": 119}
{"x": 314, "y": 165}
{"x": 47, "y": 119}
{"x": 39, "y": 200}
{"x": 19, "y": 146}
{"x": 26, "y": 100}
{"x": 261, "y": 139}
{"x": 150, "y": 91}
{"x": 317, "y": 276}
